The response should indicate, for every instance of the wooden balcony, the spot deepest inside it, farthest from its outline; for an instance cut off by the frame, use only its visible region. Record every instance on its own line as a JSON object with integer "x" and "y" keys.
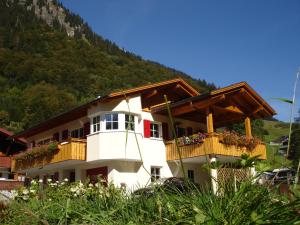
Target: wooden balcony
{"x": 211, "y": 145}
{"x": 73, "y": 149}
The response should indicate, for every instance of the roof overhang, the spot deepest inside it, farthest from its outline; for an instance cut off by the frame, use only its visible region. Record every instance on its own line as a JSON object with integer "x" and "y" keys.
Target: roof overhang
{"x": 152, "y": 94}
{"x": 230, "y": 104}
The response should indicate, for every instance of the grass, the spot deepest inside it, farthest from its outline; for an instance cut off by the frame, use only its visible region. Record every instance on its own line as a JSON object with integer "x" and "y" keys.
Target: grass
{"x": 276, "y": 129}
{"x": 83, "y": 204}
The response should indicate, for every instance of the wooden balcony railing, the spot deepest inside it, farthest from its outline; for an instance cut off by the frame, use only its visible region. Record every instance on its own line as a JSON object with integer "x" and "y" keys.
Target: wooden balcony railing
{"x": 73, "y": 149}
{"x": 212, "y": 145}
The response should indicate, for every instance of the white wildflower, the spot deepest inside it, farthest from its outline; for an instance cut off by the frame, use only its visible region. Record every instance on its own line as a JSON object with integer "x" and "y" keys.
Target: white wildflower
{"x": 66, "y": 180}
{"x": 32, "y": 191}
{"x": 73, "y": 189}
{"x": 25, "y": 192}
{"x": 91, "y": 185}
{"x": 25, "y": 197}
{"x": 33, "y": 182}
{"x": 62, "y": 183}
{"x": 40, "y": 181}
{"x": 49, "y": 180}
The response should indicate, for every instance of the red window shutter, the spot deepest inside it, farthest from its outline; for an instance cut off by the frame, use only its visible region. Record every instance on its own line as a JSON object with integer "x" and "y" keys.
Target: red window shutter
{"x": 86, "y": 129}
{"x": 65, "y": 135}
{"x": 189, "y": 131}
{"x": 55, "y": 137}
{"x": 165, "y": 131}
{"x": 147, "y": 128}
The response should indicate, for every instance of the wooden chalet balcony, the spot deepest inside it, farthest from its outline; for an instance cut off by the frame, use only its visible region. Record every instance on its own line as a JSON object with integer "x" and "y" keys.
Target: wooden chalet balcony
{"x": 73, "y": 149}
{"x": 211, "y": 145}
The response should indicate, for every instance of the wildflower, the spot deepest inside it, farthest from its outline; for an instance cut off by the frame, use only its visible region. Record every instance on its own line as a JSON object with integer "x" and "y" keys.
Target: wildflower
{"x": 40, "y": 181}
{"x": 73, "y": 189}
{"x": 62, "y": 183}
{"x": 33, "y": 182}
{"x": 91, "y": 185}
{"x": 25, "y": 197}
{"x": 66, "y": 180}
{"x": 32, "y": 191}
{"x": 80, "y": 184}
{"x": 50, "y": 199}
{"x": 57, "y": 181}
{"x": 25, "y": 192}
{"x": 49, "y": 180}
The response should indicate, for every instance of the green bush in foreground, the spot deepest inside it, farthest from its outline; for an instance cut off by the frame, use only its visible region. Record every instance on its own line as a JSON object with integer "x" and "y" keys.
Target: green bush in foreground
{"x": 64, "y": 203}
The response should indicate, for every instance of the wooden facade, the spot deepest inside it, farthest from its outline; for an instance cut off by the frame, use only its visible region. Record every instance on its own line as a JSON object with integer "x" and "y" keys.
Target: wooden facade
{"x": 211, "y": 145}
{"x": 74, "y": 149}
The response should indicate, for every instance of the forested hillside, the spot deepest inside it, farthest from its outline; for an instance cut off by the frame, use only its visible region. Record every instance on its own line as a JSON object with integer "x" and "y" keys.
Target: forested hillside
{"x": 50, "y": 61}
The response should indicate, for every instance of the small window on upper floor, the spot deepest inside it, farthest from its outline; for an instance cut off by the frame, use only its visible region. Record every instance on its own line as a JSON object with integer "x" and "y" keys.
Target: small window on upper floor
{"x": 129, "y": 122}
{"x": 112, "y": 121}
{"x": 77, "y": 133}
{"x": 154, "y": 130}
{"x": 96, "y": 124}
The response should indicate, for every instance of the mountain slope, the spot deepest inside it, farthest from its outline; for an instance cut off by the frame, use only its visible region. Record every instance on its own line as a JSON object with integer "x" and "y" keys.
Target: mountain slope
{"x": 50, "y": 61}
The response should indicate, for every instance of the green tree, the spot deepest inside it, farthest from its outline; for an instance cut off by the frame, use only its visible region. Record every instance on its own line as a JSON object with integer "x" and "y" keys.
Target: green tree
{"x": 44, "y": 101}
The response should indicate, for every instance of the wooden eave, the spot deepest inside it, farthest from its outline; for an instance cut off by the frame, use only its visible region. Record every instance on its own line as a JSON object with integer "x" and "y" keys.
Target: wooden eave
{"x": 152, "y": 94}
{"x": 178, "y": 81}
{"x": 230, "y": 104}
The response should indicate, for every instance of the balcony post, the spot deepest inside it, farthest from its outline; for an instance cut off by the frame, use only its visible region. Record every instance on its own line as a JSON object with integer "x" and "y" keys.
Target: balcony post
{"x": 248, "y": 127}
{"x": 209, "y": 121}
{"x": 214, "y": 175}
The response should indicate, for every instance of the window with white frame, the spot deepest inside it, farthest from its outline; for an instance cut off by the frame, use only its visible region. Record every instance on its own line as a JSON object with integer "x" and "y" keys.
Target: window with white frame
{"x": 191, "y": 175}
{"x": 129, "y": 122}
{"x": 112, "y": 121}
{"x": 96, "y": 124}
{"x": 77, "y": 133}
{"x": 155, "y": 173}
{"x": 154, "y": 130}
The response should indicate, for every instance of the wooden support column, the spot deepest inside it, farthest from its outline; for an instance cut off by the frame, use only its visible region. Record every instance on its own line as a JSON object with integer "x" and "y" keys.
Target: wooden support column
{"x": 248, "y": 127}
{"x": 209, "y": 121}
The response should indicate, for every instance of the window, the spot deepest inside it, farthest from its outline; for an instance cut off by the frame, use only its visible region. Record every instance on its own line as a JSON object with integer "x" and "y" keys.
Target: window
{"x": 180, "y": 131}
{"x": 129, "y": 122}
{"x": 77, "y": 133}
{"x": 154, "y": 130}
{"x": 44, "y": 142}
{"x": 155, "y": 173}
{"x": 96, "y": 124}
{"x": 111, "y": 121}
{"x": 191, "y": 175}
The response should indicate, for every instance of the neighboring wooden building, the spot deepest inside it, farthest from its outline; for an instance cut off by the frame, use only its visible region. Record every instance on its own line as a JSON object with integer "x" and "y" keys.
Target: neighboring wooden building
{"x": 127, "y": 137}
{"x": 8, "y": 147}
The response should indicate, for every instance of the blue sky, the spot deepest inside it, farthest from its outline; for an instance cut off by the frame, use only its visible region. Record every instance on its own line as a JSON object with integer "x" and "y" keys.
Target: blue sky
{"x": 219, "y": 41}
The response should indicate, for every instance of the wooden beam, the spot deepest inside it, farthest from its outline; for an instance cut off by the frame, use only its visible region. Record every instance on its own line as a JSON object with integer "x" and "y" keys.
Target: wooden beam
{"x": 248, "y": 127}
{"x": 229, "y": 109}
{"x": 190, "y": 107}
{"x": 209, "y": 121}
{"x": 260, "y": 108}
{"x": 151, "y": 94}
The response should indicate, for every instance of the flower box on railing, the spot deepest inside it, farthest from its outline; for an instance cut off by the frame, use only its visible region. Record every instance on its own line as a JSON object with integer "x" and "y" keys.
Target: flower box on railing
{"x": 38, "y": 152}
{"x": 192, "y": 139}
{"x": 230, "y": 138}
